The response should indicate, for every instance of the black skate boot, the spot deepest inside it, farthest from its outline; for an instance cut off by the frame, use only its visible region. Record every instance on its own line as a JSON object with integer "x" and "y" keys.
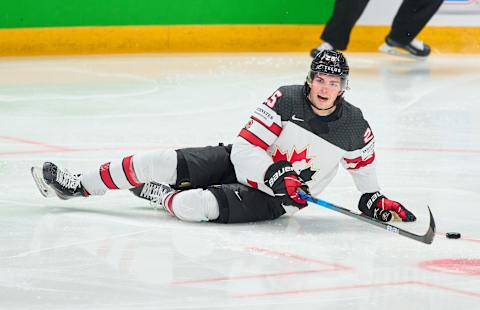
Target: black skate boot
{"x": 415, "y": 48}
{"x": 65, "y": 184}
{"x": 153, "y": 192}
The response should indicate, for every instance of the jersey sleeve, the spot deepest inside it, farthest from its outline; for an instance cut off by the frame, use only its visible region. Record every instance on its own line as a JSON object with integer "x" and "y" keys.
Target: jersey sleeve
{"x": 249, "y": 152}
{"x": 361, "y": 164}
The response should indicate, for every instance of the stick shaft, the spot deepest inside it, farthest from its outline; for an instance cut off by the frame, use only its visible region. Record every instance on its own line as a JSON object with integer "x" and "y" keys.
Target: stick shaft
{"x": 427, "y": 238}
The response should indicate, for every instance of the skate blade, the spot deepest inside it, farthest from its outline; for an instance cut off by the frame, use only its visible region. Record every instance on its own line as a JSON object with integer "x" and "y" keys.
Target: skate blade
{"x": 43, "y": 187}
{"x": 395, "y": 51}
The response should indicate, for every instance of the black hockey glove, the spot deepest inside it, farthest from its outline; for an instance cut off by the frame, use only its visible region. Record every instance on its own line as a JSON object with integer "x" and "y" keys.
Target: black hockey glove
{"x": 381, "y": 208}
{"x": 285, "y": 182}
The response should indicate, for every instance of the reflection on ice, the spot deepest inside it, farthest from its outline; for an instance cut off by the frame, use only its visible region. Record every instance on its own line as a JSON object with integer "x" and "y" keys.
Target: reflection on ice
{"x": 115, "y": 252}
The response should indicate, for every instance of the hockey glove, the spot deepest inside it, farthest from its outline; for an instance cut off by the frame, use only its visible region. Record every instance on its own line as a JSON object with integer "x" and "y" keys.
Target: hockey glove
{"x": 381, "y": 208}
{"x": 285, "y": 182}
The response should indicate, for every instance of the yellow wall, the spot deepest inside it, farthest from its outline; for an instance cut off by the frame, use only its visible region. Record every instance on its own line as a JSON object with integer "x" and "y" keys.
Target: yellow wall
{"x": 213, "y": 38}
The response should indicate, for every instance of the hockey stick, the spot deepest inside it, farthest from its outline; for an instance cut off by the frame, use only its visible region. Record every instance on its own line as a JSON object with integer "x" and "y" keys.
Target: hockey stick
{"x": 426, "y": 238}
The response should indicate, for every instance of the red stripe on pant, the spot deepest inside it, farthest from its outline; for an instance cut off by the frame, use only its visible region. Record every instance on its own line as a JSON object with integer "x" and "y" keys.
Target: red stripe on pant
{"x": 106, "y": 176}
{"x": 129, "y": 171}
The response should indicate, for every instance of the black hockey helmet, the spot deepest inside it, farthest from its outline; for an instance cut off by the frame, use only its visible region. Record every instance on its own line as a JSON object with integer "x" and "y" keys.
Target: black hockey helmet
{"x": 332, "y": 63}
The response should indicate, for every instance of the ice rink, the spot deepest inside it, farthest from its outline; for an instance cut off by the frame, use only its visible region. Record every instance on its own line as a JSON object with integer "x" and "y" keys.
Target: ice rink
{"x": 116, "y": 252}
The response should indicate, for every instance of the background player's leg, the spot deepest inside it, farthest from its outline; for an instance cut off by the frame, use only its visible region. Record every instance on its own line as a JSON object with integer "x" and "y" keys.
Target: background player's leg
{"x": 411, "y": 18}
{"x": 339, "y": 27}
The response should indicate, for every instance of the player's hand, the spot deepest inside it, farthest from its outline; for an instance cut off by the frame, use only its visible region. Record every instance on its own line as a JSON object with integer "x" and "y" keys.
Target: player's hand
{"x": 380, "y": 207}
{"x": 285, "y": 182}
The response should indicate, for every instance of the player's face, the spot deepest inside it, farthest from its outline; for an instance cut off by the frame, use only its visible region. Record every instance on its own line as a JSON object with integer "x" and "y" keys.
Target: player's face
{"x": 324, "y": 90}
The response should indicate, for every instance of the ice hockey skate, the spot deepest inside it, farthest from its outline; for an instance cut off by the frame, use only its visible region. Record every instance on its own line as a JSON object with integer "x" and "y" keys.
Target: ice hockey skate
{"x": 414, "y": 49}
{"x": 324, "y": 46}
{"x": 51, "y": 181}
{"x": 153, "y": 192}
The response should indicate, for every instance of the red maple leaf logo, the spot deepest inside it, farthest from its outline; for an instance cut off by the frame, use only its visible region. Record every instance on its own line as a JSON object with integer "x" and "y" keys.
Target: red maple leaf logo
{"x": 295, "y": 157}
{"x": 278, "y": 155}
{"x": 305, "y": 170}
{"x": 299, "y": 156}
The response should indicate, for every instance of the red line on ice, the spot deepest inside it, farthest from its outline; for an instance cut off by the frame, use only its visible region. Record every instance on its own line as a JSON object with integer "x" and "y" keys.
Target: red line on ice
{"x": 254, "y": 276}
{"x": 60, "y": 149}
{"x": 298, "y": 258}
{"x": 426, "y": 149}
{"x": 329, "y": 267}
{"x": 63, "y": 149}
{"x": 357, "y": 286}
{"x": 322, "y": 289}
{"x": 446, "y": 288}
{"x": 31, "y": 142}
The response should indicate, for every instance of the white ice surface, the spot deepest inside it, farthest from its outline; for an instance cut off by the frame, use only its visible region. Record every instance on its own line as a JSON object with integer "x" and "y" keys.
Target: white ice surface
{"x": 114, "y": 252}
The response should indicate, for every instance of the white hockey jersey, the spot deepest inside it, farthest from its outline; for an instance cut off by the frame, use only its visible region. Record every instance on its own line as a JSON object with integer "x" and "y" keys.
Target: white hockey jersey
{"x": 286, "y": 128}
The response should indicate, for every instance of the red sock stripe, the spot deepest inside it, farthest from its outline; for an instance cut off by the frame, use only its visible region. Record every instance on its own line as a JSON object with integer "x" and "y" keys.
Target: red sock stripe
{"x": 274, "y": 128}
{"x": 106, "y": 177}
{"x": 129, "y": 172}
{"x": 85, "y": 193}
{"x": 167, "y": 202}
{"x": 253, "y": 139}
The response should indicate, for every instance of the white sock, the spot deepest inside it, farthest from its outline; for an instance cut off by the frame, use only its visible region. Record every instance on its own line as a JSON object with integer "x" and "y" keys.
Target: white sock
{"x": 158, "y": 166}
{"x": 131, "y": 171}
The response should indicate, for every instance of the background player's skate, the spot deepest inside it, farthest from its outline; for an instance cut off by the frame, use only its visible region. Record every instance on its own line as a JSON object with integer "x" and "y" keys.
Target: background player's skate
{"x": 414, "y": 49}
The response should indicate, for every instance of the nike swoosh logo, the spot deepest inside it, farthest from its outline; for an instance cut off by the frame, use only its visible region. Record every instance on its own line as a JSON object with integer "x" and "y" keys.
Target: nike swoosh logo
{"x": 296, "y": 119}
{"x": 238, "y": 195}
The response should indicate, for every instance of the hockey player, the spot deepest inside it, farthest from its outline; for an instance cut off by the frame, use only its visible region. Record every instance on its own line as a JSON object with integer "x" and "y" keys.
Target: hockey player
{"x": 294, "y": 141}
{"x": 411, "y": 17}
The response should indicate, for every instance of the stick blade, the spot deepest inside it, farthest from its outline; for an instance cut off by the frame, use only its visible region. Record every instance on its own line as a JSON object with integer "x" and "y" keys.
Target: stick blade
{"x": 428, "y": 237}
{"x": 431, "y": 229}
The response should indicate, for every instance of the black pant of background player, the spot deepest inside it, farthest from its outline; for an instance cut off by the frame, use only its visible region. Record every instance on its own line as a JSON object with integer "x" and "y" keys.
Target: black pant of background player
{"x": 410, "y": 19}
